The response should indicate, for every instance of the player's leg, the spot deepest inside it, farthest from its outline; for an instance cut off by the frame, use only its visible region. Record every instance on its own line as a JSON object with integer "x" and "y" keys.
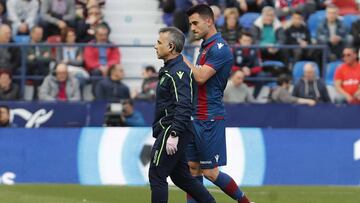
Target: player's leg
{"x": 192, "y": 154}
{"x": 183, "y": 179}
{"x": 213, "y": 154}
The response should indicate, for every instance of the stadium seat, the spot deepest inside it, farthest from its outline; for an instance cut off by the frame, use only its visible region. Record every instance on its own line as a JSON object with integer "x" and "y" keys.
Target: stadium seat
{"x": 349, "y": 19}
{"x": 330, "y": 71}
{"x": 314, "y": 20}
{"x": 21, "y": 39}
{"x": 220, "y": 21}
{"x": 247, "y": 20}
{"x": 275, "y": 64}
{"x": 298, "y": 70}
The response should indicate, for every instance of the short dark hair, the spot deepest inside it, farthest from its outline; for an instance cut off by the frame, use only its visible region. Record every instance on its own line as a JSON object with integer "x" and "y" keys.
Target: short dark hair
{"x": 203, "y": 10}
{"x": 246, "y": 33}
{"x": 150, "y": 68}
{"x": 282, "y": 79}
{"x": 128, "y": 101}
{"x": 175, "y": 36}
{"x": 5, "y": 107}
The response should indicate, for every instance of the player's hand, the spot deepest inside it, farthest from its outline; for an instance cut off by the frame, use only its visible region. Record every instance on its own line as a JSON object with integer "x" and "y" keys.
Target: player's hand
{"x": 171, "y": 145}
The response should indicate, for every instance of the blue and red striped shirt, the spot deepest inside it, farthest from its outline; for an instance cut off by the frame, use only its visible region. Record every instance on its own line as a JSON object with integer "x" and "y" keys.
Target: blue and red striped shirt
{"x": 215, "y": 53}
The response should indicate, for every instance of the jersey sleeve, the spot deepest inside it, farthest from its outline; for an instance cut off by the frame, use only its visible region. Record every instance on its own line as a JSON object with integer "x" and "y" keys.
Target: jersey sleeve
{"x": 218, "y": 55}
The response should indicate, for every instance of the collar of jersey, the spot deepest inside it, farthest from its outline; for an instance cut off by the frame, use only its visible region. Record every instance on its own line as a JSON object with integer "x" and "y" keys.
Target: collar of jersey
{"x": 212, "y": 38}
{"x": 173, "y": 61}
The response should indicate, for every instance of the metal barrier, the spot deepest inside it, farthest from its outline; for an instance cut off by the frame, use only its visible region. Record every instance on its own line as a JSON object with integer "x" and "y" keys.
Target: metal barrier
{"x": 25, "y": 46}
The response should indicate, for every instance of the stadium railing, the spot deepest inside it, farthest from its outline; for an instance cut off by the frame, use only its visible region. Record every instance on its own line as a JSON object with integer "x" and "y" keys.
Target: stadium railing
{"x": 22, "y": 77}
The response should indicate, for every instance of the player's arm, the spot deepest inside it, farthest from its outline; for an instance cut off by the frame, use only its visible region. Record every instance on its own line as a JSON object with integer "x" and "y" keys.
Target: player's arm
{"x": 202, "y": 73}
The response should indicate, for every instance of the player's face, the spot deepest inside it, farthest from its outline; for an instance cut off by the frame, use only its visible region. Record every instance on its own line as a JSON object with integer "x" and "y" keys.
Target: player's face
{"x": 199, "y": 26}
{"x": 162, "y": 46}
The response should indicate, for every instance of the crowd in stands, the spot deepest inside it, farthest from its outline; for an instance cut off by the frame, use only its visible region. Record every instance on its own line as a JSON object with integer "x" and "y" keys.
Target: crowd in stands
{"x": 275, "y": 23}
{"x": 65, "y": 71}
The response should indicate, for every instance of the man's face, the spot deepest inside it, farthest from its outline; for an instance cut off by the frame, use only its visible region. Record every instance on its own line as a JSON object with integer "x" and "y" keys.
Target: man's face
{"x": 331, "y": 14}
{"x": 349, "y": 56}
{"x": 37, "y": 34}
{"x": 4, "y": 116}
{"x": 268, "y": 17}
{"x": 238, "y": 78}
{"x": 162, "y": 46}
{"x": 245, "y": 40}
{"x": 297, "y": 20}
{"x": 128, "y": 110}
{"x": 199, "y": 26}
{"x": 117, "y": 73}
{"x": 101, "y": 35}
{"x": 309, "y": 72}
{"x": 5, "y": 34}
{"x": 61, "y": 73}
{"x": 5, "y": 80}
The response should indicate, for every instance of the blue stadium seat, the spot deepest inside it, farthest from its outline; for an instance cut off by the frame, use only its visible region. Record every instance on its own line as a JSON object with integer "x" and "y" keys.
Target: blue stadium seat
{"x": 330, "y": 71}
{"x": 247, "y": 20}
{"x": 22, "y": 39}
{"x": 349, "y": 19}
{"x": 276, "y": 64}
{"x": 314, "y": 20}
{"x": 220, "y": 21}
{"x": 298, "y": 70}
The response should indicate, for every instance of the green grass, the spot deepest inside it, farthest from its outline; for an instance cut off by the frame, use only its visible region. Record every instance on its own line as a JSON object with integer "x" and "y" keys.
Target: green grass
{"x": 116, "y": 194}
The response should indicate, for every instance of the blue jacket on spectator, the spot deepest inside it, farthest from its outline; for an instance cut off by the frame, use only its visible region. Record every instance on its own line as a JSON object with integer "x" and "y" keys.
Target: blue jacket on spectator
{"x": 136, "y": 119}
{"x": 110, "y": 90}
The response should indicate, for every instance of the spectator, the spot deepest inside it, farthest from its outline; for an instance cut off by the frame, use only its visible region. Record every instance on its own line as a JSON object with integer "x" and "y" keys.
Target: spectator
{"x": 111, "y": 88}
{"x": 5, "y": 117}
{"x": 83, "y": 5}
{"x": 240, "y": 5}
{"x": 298, "y": 34}
{"x": 3, "y": 16}
{"x": 8, "y": 90}
{"x": 98, "y": 59}
{"x": 285, "y": 8}
{"x": 310, "y": 87}
{"x": 281, "y": 93}
{"x": 60, "y": 86}
{"x": 355, "y": 32}
{"x": 267, "y": 30}
{"x": 148, "y": 87}
{"x": 9, "y": 56}
{"x": 237, "y": 91}
{"x": 86, "y": 27}
{"x": 332, "y": 32}
{"x": 56, "y": 15}
{"x": 347, "y": 77}
{"x": 231, "y": 30}
{"x": 129, "y": 116}
{"x": 73, "y": 57}
{"x": 38, "y": 57}
{"x": 256, "y": 6}
{"x": 247, "y": 59}
{"x": 217, "y": 12}
{"x": 23, "y": 15}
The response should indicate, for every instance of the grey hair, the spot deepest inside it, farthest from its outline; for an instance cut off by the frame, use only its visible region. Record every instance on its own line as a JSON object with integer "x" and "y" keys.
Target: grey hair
{"x": 175, "y": 36}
